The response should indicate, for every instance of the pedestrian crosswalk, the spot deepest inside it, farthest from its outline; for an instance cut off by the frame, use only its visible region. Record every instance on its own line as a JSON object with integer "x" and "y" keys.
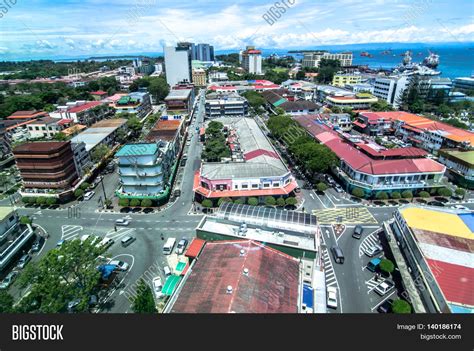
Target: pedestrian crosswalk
{"x": 120, "y": 233}
{"x": 369, "y": 241}
{"x": 329, "y": 270}
{"x": 69, "y": 232}
{"x": 347, "y": 215}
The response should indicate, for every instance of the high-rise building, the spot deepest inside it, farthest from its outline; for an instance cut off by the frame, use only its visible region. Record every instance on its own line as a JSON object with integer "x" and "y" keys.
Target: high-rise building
{"x": 205, "y": 52}
{"x": 252, "y": 60}
{"x": 178, "y": 63}
{"x": 312, "y": 59}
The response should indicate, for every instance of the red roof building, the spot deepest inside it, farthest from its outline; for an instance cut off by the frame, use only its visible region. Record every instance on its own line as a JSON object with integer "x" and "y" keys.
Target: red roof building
{"x": 240, "y": 277}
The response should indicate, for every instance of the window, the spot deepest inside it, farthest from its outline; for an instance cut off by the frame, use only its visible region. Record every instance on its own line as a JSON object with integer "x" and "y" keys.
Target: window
{"x": 254, "y": 186}
{"x": 266, "y": 185}
{"x": 245, "y": 186}
{"x": 276, "y": 184}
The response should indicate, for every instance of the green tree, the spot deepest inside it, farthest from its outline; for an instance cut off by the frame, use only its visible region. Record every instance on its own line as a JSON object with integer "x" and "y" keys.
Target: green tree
{"x": 78, "y": 193}
{"x": 51, "y": 201}
{"x": 143, "y": 301}
{"x": 280, "y": 202}
{"x": 252, "y": 201}
{"x": 60, "y": 136}
{"x": 381, "y": 195}
{"x": 396, "y": 195}
{"x": 460, "y": 191}
{"x": 239, "y": 202}
{"x": 134, "y": 202}
{"x": 407, "y": 194}
{"x": 327, "y": 69}
{"x": 207, "y": 203}
{"x": 124, "y": 202}
{"x": 424, "y": 194}
{"x": 322, "y": 187}
{"x": 223, "y": 200}
{"x": 85, "y": 186}
{"x": 358, "y": 192}
{"x": 133, "y": 123}
{"x": 6, "y": 302}
{"x": 270, "y": 201}
{"x": 401, "y": 306}
{"x": 64, "y": 274}
{"x": 100, "y": 152}
{"x": 445, "y": 192}
{"x": 40, "y": 200}
{"x": 25, "y": 220}
{"x": 291, "y": 201}
{"x": 387, "y": 266}
{"x": 146, "y": 203}
{"x": 255, "y": 99}
{"x": 108, "y": 203}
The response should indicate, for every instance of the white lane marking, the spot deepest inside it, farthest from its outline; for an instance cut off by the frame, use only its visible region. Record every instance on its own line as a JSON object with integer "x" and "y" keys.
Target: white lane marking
{"x": 69, "y": 232}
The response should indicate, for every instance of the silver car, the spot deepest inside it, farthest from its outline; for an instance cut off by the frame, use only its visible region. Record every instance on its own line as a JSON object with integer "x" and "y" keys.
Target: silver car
{"x": 5, "y": 284}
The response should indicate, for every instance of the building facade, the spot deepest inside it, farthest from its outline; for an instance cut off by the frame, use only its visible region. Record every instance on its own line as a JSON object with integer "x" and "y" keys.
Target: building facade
{"x": 460, "y": 166}
{"x": 252, "y": 60}
{"x": 138, "y": 103}
{"x": 199, "y": 77}
{"x": 340, "y": 80}
{"x": 178, "y": 64}
{"x": 312, "y": 59}
{"x": 83, "y": 112}
{"x": 46, "y": 165}
{"x": 226, "y": 105}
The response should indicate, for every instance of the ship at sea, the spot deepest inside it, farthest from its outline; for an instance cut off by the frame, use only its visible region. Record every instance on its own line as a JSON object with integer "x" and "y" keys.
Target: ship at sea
{"x": 431, "y": 61}
{"x": 425, "y": 68}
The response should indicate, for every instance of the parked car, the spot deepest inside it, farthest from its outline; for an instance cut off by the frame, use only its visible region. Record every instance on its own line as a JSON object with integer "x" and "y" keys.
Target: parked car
{"x": 157, "y": 287}
{"x": 460, "y": 207}
{"x": 181, "y": 246}
{"x": 23, "y": 261}
{"x": 374, "y": 264}
{"x": 127, "y": 240}
{"x": 167, "y": 271}
{"x": 105, "y": 243}
{"x": 373, "y": 250}
{"x": 338, "y": 188}
{"x": 37, "y": 244}
{"x": 89, "y": 195}
{"x": 331, "y": 297}
{"x": 8, "y": 280}
{"x": 384, "y": 287}
{"x": 436, "y": 203}
{"x": 386, "y": 307}
{"x": 337, "y": 254}
{"x": 358, "y": 230}
{"x": 122, "y": 222}
{"x": 121, "y": 266}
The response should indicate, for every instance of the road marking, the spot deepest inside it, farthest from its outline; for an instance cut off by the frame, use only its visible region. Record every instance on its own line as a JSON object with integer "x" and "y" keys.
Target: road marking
{"x": 369, "y": 241}
{"x": 69, "y": 232}
{"x": 385, "y": 299}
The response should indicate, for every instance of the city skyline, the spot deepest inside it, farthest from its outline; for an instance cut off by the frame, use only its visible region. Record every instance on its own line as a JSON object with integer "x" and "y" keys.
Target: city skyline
{"x": 87, "y": 27}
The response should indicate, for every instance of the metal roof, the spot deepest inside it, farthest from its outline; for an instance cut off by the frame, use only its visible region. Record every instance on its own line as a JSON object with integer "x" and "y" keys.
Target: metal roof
{"x": 269, "y": 217}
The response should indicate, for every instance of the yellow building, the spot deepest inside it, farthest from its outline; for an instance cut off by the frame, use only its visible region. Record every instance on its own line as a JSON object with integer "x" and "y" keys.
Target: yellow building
{"x": 199, "y": 77}
{"x": 340, "y": 80}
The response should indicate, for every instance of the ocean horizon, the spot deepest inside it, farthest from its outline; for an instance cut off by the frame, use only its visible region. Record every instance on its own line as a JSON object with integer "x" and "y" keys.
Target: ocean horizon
{"x": 456, "y": 59}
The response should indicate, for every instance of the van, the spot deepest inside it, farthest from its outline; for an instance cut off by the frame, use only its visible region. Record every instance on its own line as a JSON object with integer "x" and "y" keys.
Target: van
{"x": 127, "y": 241}
{"x": 337, "y": 254}
{"x": 374, "y": 264}
{"x": 105, "y": 243}
{"x": 88, "y": 195}
{"x": 169, "y": 245}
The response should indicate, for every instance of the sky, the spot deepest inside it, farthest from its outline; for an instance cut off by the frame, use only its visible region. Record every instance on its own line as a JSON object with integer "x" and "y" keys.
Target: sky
{"x": 97, "y": 27}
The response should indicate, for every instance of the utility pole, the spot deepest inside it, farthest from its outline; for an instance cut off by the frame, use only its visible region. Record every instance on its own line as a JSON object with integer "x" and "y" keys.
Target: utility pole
{"x": 103, "y": 189}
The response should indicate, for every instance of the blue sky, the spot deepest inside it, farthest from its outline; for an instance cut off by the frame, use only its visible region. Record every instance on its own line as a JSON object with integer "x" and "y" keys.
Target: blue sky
{"x": 89, "y": 27}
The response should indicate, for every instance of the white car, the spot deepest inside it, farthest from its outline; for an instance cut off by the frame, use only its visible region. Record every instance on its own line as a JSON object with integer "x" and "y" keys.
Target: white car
{"x": 89, "y": 195}
{"x": 5, "y": 284}
{"x": 122, "y": 222}
{"x": 181, "y": 246}
{"x": 157, "y": 287}
{"x": 384, "y": 287}
{"x": 332, "y": 297}
{"x": 121, "y": 266}
{"x": 460, "y": 207}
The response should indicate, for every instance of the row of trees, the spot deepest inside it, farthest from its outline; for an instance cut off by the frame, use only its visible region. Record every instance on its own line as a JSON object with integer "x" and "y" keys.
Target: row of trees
{"x": 50, "y": 201}
{"x": 253, "y": 201}
{"x": 313, "y": 157}
{"x": 407, "y": 194}
{"x": 156, "y": 86}
{"x": 135, "y": 203}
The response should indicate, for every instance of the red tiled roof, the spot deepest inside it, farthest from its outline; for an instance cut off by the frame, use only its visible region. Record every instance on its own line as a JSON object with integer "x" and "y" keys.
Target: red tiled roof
{"x": 271, "y": 285}
{"x": 65, "y": 121}
{"x": 399, "y": 151}
{"x": 359, "y": 124}
{"x": 27, "y": 115}
{"x": 194, "y": 249}
{"x": 362, "y": 162}
{"x": 455, "y": 281}
{"x": 217, "y": 87}
{"x": 84, "y": 107}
